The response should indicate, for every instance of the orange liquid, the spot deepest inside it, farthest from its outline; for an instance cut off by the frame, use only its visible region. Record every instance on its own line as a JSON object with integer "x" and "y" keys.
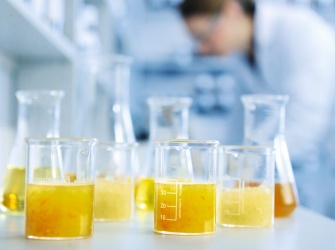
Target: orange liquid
{"x": 184, "y": 208}
{"x": 59, "y": 211}
{"x": 285, "y": 199}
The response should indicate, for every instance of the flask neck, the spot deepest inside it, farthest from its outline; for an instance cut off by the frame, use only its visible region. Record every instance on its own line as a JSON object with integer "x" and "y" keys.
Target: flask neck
{"x": 121, "y": 85}
{"x": 169, "y": 119}
{"x": 38, "y": 114}
{"x": 108, "y": 102}
{"x": 264, "y": 122}
{"x": 169, "y": 122}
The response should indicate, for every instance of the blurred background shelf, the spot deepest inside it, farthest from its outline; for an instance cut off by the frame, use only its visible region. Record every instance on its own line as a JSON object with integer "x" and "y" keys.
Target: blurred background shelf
{"x": 25, "y": 37}
{"x": 34, "y": 54}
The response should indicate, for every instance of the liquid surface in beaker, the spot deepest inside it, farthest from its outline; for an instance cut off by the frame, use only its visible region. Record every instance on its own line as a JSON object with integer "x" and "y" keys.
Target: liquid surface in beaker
{"x": 184, "y": 207}
{"x": 248, "y": 206}
{"x": 144, "y": 193}
{"x": 59, "y": 210}
{"x": 53, "y": 172}
{"x": 13, "y": 189}
{"x": 285, "y": 199}
{"x": 113, "y": 199}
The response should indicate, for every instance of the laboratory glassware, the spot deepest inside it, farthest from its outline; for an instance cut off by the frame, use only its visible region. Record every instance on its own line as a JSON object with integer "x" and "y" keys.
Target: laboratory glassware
{"x": 102, "y": 99}
{"x": 38, "y": 116}
{"x": 185, "y": 187}
{"x": 59, "y": 188}
{"x": 264, "y": 125}
{"x": 245, "y": 186}
{"x": 114, "y": 182}
{"x": 169, "y": 119}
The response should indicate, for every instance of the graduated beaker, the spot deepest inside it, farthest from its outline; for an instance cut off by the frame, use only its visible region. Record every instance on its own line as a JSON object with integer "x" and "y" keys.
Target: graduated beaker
{"x": 264, "y": 125}
{"x": 102, "y": 99}
{"x": 185, "y": 187}
{"x": 59, "y": 188}
{"x": 169, "y": 119}
{"x": 245, "y": 186}
{"x": 114, "y": 182}
{"x": 38, "y": 116}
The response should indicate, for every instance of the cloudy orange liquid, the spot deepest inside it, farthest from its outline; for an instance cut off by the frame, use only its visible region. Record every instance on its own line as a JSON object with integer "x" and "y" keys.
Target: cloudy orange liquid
{"x": 184, "y": 208}
{"x": 59, "y": 211}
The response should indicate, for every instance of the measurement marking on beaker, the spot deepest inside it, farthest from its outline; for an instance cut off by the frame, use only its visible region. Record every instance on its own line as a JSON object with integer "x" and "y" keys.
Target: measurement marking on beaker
{"x": 240, "y": 199}
{"x": 174, "y": 206}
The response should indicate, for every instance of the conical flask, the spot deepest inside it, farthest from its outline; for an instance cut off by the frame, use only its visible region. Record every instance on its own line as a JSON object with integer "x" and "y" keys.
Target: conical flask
{"x": 102, "y": 99}
{"x": 264, "y": 125}
{"x": 169, "y": 119}
{"x": 38, "y": 116}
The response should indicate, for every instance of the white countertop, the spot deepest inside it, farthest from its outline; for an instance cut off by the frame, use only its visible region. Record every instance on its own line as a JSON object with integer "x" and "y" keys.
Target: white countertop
{"x": 303, "y": 230}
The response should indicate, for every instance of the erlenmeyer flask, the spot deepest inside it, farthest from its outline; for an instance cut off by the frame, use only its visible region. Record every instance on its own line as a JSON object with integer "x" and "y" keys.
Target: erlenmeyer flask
{"x": 38, "y": 116}
{"x": 102, "y": 104}
{"x": 169, "y": 119}
{"x": 264, "y": 125}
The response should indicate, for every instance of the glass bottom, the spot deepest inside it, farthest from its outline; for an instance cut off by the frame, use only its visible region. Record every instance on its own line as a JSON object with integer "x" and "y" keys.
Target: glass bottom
{"x": 182, "y": 233}
{"x": 32, "y": 237}
{"x": 243, "y": 226}
{"x": 111, "y": 220}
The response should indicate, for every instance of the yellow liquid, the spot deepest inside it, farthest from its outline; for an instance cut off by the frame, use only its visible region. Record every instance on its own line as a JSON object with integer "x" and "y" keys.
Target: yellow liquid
{"x": 184, "y": 208}
{"x": 58, "y": 211}
{"x": 144, "y": 193}
{"x": 13, "y": 189}
{"x": 250, "y": 206}
{"x": 113, "y": 199}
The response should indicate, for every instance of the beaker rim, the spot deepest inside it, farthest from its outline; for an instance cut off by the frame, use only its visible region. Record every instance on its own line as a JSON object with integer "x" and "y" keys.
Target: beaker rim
{"x": 59, "y": 140}
{"x": 118, "y": 145}
{"x": 255, "y": 149}
{"x": 37, "y": 93}
{"x": 104, "y": 60}
{"x": 169, "y": 101}
{"x": 187, "y": 143}
{"x": 265, "y": 97}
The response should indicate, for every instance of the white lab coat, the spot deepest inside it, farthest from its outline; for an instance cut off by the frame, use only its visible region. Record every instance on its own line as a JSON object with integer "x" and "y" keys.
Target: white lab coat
{"x": 295, "y": 55}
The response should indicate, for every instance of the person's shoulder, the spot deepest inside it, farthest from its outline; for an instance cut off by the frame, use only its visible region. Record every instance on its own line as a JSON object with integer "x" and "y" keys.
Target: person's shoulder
{"x": 288, "y": 24}
{"x": 290, "y": 17}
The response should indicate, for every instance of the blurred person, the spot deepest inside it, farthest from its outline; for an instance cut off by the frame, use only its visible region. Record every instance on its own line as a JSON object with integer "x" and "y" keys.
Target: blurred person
{"x": 281, "y": 49}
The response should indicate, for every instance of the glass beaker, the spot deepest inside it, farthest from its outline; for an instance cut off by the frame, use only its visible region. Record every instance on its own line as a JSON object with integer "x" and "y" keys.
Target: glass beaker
{"x": 38, "y": 115}
{"x": 59, "y": 188}
{"x": 264, "y": 125}
{"x": 114, "y": 182}
{"x": 102, "y": 99}
{"x": 245, "y": 186}
{"x": 185, "y": 187}
{"x": 169, "y": 119}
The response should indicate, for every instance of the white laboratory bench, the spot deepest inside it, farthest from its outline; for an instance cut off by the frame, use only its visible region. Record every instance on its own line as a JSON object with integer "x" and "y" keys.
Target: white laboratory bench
{"x": 303, "y": 230}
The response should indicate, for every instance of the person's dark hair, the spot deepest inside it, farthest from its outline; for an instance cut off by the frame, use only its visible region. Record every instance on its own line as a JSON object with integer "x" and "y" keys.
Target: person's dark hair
{"x": 209, "y": 7}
